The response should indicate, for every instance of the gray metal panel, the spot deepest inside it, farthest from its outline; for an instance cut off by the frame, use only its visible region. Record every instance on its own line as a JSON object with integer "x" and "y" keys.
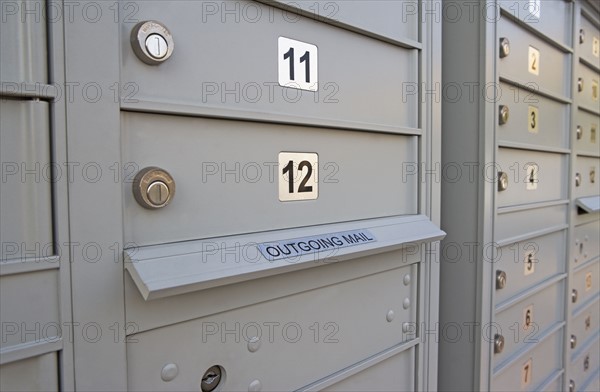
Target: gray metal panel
{"x": 552, "y": 119}
{"x": 25, "y": 191}
{"x": 589, "y": 143}
{"x": 95, "y": 214}
{"x": 354, "y": 71}
{"x": 393, "y": 375}
{"x": 511, "y": 224}
{"x": 396, "y": 19}
{"x": 548, "y": 255}
{"x": 160, "y": 312}
{"x": 546, "y": 360}
{"x": 586, "y": 97}
{"x": 29, "y": 308}
{"x": 589, "y": 171}
{"x": 546, "y": 311}
{"x": 585, "y": 325}
{"x": 586, "y": 363}
{"x": 32, "y": 374}
{"x": 552, "y": 65}
{"x": 221, "y": 165}
{"x": 554, "y": 21}
{"x": 194, "y": 348}
{"x": 585, "y": 48}
{"x": 587, "y": 283}
{"x": 517, "y": 164}
{"x": 23, "y": 41}
{"x": 585, "y": 241}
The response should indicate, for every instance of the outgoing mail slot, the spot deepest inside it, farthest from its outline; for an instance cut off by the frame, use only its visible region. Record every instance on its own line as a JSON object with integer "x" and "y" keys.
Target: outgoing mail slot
{"x": 589, "y": 41}
{"x": 225, "y": 170}
{"x": 588, "y": 90}
{"x": 585, "y": 240}
{"x": 551, "y": 18}
{"x": 237, "y": 75}
{"x": 397, "y": 20}
{"x": 585, "y": 281}
{"x": 530, "y": 262}
{"x": 533, "y": 177}
{"x": 528, "y": 371}
{"x": 313, "y": 324}
{"x": 586, "y": 363}
{"x": 532, "y": 60}
{"x": 23, "y": 41}
{"x": 525, "y": 322}
{"x": 534, "y": 120}
{"x": 587, "y": 133}
{"x": 585, "y": 324}
{"x": 25, "y": 193}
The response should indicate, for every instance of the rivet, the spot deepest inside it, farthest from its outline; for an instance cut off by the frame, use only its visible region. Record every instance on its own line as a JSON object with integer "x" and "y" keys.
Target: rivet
{"x": 390, "y": 315}
{"x": 406, "y": 328}
{"x": 406, "y": 303}
{"x": 255, "y": 386}
{"x": 169, "y": 372}
{"x": 406, "y": 279}
{"x": 253, "y": 344}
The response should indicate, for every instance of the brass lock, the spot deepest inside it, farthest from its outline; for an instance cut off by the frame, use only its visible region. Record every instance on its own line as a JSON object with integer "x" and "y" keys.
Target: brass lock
{"x": 500, "y": 280}
{"x": 502, "y": 181}
{"x": 498, "y": 343}
{"x": 504, "y": 47}
{"x": 503, "y": 114}
{"x": 153, "y": 188}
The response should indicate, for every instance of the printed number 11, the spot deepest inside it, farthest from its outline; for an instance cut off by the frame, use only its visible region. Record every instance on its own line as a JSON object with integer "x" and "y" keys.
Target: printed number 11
{"x": 304, "y": 59}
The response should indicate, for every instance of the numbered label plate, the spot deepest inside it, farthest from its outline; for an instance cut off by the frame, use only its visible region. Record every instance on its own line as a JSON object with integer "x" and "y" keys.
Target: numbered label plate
{"x": 297, "y": 64}
{"x": 534, "y": 61}
{"x": 532, "y": 176}
{"x": 533, "y": 114}
{"x": 298, "y": 176}
{"x": 596, "y": 47}
{"x": 526, "y": 373}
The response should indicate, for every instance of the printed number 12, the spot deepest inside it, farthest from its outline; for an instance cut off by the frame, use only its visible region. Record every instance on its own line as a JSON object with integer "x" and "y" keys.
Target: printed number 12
{"x": 289, "y": 169}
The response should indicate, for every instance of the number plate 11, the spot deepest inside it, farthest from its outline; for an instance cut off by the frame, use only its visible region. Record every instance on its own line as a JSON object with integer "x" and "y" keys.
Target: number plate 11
{"x": 297, "y": 64}
{"x": 298, "y": 176}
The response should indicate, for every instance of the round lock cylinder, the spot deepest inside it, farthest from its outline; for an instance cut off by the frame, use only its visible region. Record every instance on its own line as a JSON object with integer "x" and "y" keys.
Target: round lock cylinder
{"x": 498, "y": 343}
{"x": 500, "y": 280}
{"x": 152, "y": 42}
{"x": 502, "y": 181}
{"x": 153, "y": 188}
{"x": 581, "y": 36}
{"x": 580, "y": 84}
{"x": 573, "y": 341}
{"x": 503, "y": 113}
{"x": 577, "y": 179}
{"x": 504, "y": 47}
{"x": 211, "y": 379}
{"x": 574, "y": 296}
{"x": 579, "y": 132}
{"x": 571, "y": 386}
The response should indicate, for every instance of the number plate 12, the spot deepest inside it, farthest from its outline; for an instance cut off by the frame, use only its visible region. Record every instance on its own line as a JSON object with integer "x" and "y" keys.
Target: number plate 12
{"x": 298, "y": 176}
{"x": 297, "y": 64}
